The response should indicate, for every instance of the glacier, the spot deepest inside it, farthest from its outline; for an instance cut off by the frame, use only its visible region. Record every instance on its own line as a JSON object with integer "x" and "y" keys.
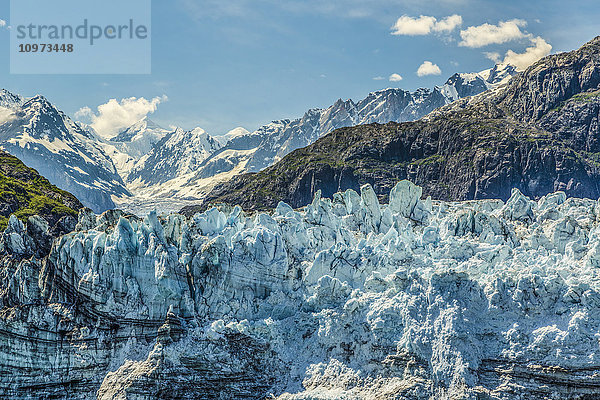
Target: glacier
{"x": 346, "y": 298}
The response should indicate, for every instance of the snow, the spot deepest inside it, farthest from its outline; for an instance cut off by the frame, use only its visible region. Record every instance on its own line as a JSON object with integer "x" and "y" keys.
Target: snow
{"x": 174, "y": 194}
{"x": 54, "y": 145}
{"x": 180, "y": 153}
{"x": 232, "y": 134}
{"x": 356, "y": 299}
{"x": 46, "y": 139}
{"x": 78, "y": 170}
{"x": 138, "y": 139}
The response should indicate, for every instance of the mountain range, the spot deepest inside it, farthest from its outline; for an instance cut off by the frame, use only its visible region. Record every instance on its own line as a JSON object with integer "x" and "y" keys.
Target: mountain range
{"x": 145, "y": 162}
{"x": 241, "y": 151}
{"x": 538, "y": 133}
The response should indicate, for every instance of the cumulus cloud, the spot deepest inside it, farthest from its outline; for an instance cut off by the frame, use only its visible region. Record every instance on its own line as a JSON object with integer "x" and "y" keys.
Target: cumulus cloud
{"x": 2, "y": 23}
{"x": 424, "y": 25}
{"x": 539, "y": 48}
{"x": 395, "y": 78}
{"x": 448, "y": 24}
{"x": 83, "y": 113}
{"x": 486, "y": 34}
{"x": 493, "y": 55}
{"x": 115, "y": 115}
{"x": 378, "y": 78}
{"x": 428, "y": 68}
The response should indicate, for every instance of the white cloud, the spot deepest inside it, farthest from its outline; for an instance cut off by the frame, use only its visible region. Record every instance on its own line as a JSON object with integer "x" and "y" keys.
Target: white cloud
{"x": 539, "y": 48}
{"x": 483, "y": 35}
{"x": 448, "y": 24}
{"x": 428, "y": 68}
{"x": 493, "y": 55}
{"x": 83, "y": 113}
{"x": 395, "y": 78}
{"x": 406, "y": 25}
{"x": 378, "y": 78}
{"x": 114, "y": 115}
{"x": 2, "y": 23}
{"x": 424, "y": 25}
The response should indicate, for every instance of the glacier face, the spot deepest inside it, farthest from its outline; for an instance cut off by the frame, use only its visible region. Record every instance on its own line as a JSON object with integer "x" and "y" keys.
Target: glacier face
{"x": 345, "y": 299}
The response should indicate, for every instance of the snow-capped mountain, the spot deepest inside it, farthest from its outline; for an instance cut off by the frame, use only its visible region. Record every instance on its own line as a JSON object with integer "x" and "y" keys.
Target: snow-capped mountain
{"x": 500, "y": 74}
{"x": 176, "y": 168}
{"x": 10, "y": 100}
{"x": 463, "y": 85}
{"x": 131, "y": 144}
{"x": 70, "y": 157}
{"x": 251, "y": 152}
{"x": 232, "y": 134}
{"x": 178, "y": 154}
{"x": 138, "y": 139}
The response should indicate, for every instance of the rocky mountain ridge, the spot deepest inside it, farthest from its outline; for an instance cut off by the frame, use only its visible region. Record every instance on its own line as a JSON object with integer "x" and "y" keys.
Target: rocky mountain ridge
{"x": 243, "y": 151}
{"x": 538, "y": 133}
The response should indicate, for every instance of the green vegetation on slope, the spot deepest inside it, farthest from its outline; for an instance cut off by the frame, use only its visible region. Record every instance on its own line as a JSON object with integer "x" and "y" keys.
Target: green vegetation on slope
{"x": 23, "y": 192}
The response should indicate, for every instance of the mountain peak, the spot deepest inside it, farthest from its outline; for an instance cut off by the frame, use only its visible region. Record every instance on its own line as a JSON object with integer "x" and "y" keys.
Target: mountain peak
{"x": 39, "y": 101}
{"x": 44, "y": 138}
{"x": 10, "y": 100}
{"x": 140, "y": 129}
{"x": 501, "y": 73}
{"x": 237, "y": 132}
{"x": 178, "y": 153}
{"x": 197, "y": 131}
{"x": 594, "y": 42}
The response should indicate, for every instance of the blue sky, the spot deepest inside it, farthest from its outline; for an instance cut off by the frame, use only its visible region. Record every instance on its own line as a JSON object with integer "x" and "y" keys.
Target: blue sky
{"x": 222, "y": 64}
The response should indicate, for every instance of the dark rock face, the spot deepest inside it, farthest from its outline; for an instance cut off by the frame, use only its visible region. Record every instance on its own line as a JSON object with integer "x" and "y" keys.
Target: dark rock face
{"x": 540, "y": 133}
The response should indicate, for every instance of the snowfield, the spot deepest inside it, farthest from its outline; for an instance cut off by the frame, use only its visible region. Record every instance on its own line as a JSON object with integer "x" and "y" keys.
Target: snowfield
{"x": 347, "y": 298}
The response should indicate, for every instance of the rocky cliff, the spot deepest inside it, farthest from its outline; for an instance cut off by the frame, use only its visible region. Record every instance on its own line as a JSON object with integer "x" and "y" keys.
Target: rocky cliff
{"x": 538, "y": 133}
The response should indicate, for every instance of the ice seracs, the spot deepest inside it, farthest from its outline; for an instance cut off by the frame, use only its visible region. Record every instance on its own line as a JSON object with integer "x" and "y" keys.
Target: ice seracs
{"x": 345, "y": 298}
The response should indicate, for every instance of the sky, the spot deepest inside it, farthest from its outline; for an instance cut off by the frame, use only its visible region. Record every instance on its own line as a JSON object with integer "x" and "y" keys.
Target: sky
{"x": 223, "y": 64}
